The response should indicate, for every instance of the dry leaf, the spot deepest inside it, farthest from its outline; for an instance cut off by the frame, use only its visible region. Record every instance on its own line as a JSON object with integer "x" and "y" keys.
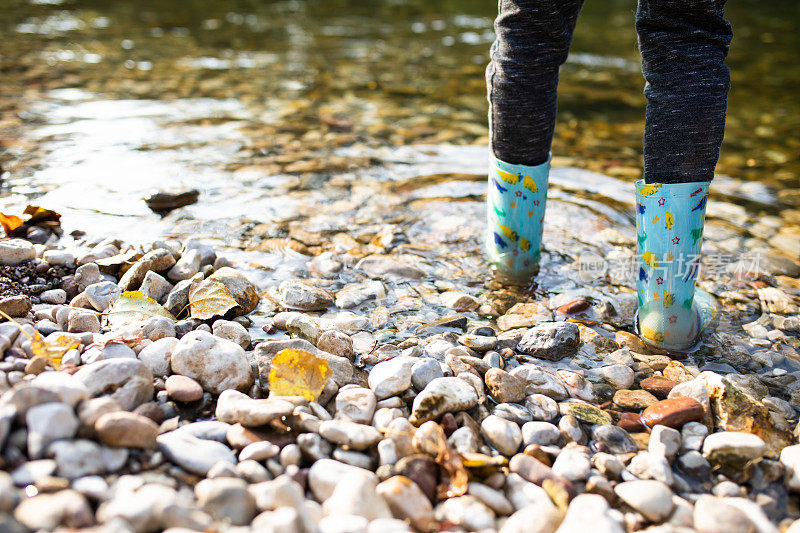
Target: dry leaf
{"x": 53, "y": 348}
{"x": 133, "y": 307}
{"x": 10, "y": 223}
{"x": 298, "y": 373}
{"x": 449, "y": 460}
{"x": 210, "y": 298}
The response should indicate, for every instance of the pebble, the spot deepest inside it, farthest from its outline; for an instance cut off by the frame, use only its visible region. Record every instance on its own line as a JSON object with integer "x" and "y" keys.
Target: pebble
{"x": 15, "y": 306}
{"x": 664, "y": 441}
{"x": 156, "y": 287}
{"x": 692, "y": 436}
{"x": 53, "y": 296}
{"x": 573, "y": 463}
{"x": 129, "y": 430}
{"x": 714, "y": 515}
{"x": 304, "y": 296}
{"x": 66, "y": 387}
{"x": 442, "y": 395}
{"x": 467, "y": 512}
{"x": 541, "y": 433}
{"x": 590, "y": 512}
{"x": 503, "y": 435}
{"x": 259, "y": 451}
{"x": 183, "y": 389}
{"x": 129, "y": 379}
{"x": 337, "y": 343}
{"x": 504, "y": 387}
{"x": 356, "y": 404}
{"x": 356, "y": 495}
{"x": 350, "y": 434}
{"x": 658, "y": 386}
{"x": 651, "y": 498}
{"x": 232, "y": 331}
{"x": 634, "y": 400}
{"x": 16, "y": 251}
{"x": 614, "y": 439}
{"x": 673, "y": 412}
{"x": 193, "y": 454}
{"x": 49, "y": 422}
{"x": 790, "y": 459}
{"x": 733, "y": 450}
{"x": 620, "y": 376}
{"x": 552, "y": 341}
{"x": 157, "y": 260}
{"x": 81, "y": 457}
{"x": 102, "y": 294}
{"x": 424, "y": 371}
{"x": 226, "y": 499}
{"x": 186, "y": 267}
{"x": 66, "y": 508}
{"x": 156, "y": 355}
{"x": 217, "y": 364}
{"x": 392, "y": 377}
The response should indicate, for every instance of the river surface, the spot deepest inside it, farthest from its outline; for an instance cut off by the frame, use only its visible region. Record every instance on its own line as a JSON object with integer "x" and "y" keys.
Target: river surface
{"x": 307, "y": 123}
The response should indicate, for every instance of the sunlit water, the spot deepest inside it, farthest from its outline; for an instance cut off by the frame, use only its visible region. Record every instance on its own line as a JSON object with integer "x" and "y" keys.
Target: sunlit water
{"x": 298, "y": 121}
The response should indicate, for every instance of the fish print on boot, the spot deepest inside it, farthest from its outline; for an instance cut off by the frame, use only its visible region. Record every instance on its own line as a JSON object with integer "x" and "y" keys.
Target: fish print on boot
{"x": 672, "y": 313}
{"x": 515, "y": 216}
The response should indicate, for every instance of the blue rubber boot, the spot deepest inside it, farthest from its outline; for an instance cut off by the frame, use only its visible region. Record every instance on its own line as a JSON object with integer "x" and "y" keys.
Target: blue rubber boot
{"x": 515, "y": 203}
{"x": 672, "y": 314}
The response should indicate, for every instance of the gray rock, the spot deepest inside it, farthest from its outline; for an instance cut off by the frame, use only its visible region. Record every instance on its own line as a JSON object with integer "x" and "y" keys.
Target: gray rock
{"x": 178, "y": 297}
{"x": 111, "y": 350}
{"x": 349, "y": 434}
{"x": 551, "y": 341}
{"x": 614, "y": 439}
{"x": 325, "y": 474}
{"x": 157, "y": 261}
{"x": 356, "y": 404}
{"x": 226, "y": 499}
{"x": 53, "y": 296}
{"x": 392, "y": 377}
{"x": 356, "y": 495}
{"x": 664, "y": 441}
{"x": 651, "y": 498}
{"x": 590, "y": 512}
{"x": 424, "y": 371}
{"x": 232, "y": 331}
{"x": 129, "y": 379}
{"x": 186, "y": 267}
{"x": 102, "y": 294}
{"x": 48, "y": 511}
{"x": 49, "y": 422}
{"x": 193, "y": 454}
{"x": 217, "y": 364}
{"x": 30, "y": 473}
{"x": 541, "y": 407}
{"x": 83, "y": 320}
{"x": 440, "y": 396}
{"x": 467, "y": 512}
{"x": 539, "y": 517}
{"x": 86, "y": 275}
{"x": 16, "y": 251}
{"x": 692, "y": 436}
{"x": 155, "y": 286}
{"x": 156, "y": 356}
{"x": 80, "y": 457}
{"x": 158, "y": 327}
{"x": 501, "y": 434}
{"x": 573, "y": 463}
{"x": 541, "y": 433}
{"x": 67, "y": 388}
{"x": 304, "y": 296}
{"x": 147, "y": 508}
{"x": 714, "y": 515}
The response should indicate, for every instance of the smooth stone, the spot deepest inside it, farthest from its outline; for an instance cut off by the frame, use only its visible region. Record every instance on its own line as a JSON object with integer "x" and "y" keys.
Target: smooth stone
{"x": 790, "y": 459}
{"x": 714, "y": 515}
{"x": 67, "y": 387}
{"x": 733, "y": 451}
{"x": 156, "y": 355}
{"x": 541, "y": 433}
{"x": 542, "y": 407}
{"x": 157, "y": 261}
{"x": 537, "y": 517}
{"x": 614, "y": 439}
{"x": 620, "y": 376}
{"x": 259, "y": 451}
{"x": 392, "y": 377}
{"x": 129, "y": 430}
{"x": 232, "y": 331}
{"x": 15, "y": 306}
{"x": 111, "y": 350}
{"x": 646, "y": 465}
{"x": 350, "y": 434}
{"x": 155, "y": 286}
{"x": 16, "y": 251}
{"x": 83, "y": 320}
{"x": 356, "y": 404}
{"x": 102, "y": 295}
{"x": 342, "y": 370}
{"x": 442, "y": 395}
{"x": 53, "y": 296}
{"x": 634, "y": 400}
{"x": 590, "y": 512}
{"x": 30, "y": 473}
{"x": 49, "y": 422}
{"x": 573, "y": 464}
{"x": 47, "y": 512}
{"x": 658, "y": 386}
{"x": 673, "y": 412}
{"x": 325, "y": 474}
{"x": 424, "y": 371}
{"x": 516, "y": 413}
{"x": 407, "y": 502}
{"x": 651, "y": 498}
{"x": 193, "y": 454}
{"x": 356, "y": 495}
{"x": 504, "y": 387}
{"x": 183, "y": 389}
{"x": 217, "y": 364}
{"x": 664, "y": 441}
{"x": 235, "y": 407}
{"x": 129, "y": 379}
{"x": 503, "y": 435}
{"x": 226, "y": 499}
{"x": 304, "y": 296}
{"x": 337, "y": 343}
{"x": 186, "y": 267}
{"x": 537, "y": 472}
{"x": 537, "y": 381}
{"x": 80, "y": 457}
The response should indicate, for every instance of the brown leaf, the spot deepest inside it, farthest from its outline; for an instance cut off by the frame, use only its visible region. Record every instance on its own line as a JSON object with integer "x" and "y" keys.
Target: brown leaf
{"x": 210, "y": 298}
{"x": 10, "y": 223}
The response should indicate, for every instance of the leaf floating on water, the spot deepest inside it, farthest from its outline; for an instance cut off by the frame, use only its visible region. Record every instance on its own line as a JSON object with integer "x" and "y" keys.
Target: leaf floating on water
{"x": 298, "y": 373}
{"x": 210, "y": 298}
{"x": 134, "y": 307}
{"x": 53, "y": 348}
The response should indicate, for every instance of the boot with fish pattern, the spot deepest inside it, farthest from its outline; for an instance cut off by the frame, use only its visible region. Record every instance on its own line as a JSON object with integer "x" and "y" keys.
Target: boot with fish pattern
{"x": 669, "y": 226}
{"x": 515, "y": 202}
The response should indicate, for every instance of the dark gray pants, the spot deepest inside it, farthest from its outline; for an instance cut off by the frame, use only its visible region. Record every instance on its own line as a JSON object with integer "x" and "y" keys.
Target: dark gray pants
{"x": 683, "y": 44}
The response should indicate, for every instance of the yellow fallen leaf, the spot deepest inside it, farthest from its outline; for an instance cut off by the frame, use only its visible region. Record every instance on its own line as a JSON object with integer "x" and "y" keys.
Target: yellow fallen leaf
{"x": 134, "y": 307}
{"x": 210, "y": 298}
{"x": 298, "y": 373}
{"x": 53, "y": 348}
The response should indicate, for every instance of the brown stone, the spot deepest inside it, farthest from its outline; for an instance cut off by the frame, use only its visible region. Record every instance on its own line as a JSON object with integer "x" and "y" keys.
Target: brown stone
{"x": 151, "y": 410}
{"x": 183, "y": 389}
{"x": 674, "y": 412}
{"x": 422, "y": 470}
{"x": 537, "y": 472}
{"x": 658, "y": 386}
{"x": 15, "y": 306}
{"x": 128, "y": 430}
{"x": 634, "y": 400}
{"x": 631, "y": 422}
{"x": 504, "y": 387}
{"x": 36, "y": 365}
{"x": 573, "y": 307}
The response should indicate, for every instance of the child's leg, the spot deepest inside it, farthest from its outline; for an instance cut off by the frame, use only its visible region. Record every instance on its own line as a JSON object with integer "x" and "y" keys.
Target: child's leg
{"x": 533, "y": 38}
{"x": 683, "y": 45}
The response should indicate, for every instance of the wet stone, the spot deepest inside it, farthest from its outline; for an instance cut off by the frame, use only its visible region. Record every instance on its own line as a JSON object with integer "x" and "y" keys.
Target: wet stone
{"x": 503, "y": 435}
{"x": 442, "y": 395}
{"x": 551, "y": 341}
{"x": 504, "y": 387}
{"x": 657, "y": 386}
{"x": 614, "y": 439}
{"x": 585, "y": 412}
{"x": 634, "y": 400}
{"x": 673, "y": 412}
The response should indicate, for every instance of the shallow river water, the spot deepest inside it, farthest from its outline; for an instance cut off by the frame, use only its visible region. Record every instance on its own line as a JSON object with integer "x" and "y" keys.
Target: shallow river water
{"x": 311, "y": 125}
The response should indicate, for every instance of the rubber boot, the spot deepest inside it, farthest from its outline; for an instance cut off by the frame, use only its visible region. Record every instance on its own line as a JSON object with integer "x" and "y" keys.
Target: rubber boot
{"x": 516, "y": 201}
{"x": 672, "y": 313}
